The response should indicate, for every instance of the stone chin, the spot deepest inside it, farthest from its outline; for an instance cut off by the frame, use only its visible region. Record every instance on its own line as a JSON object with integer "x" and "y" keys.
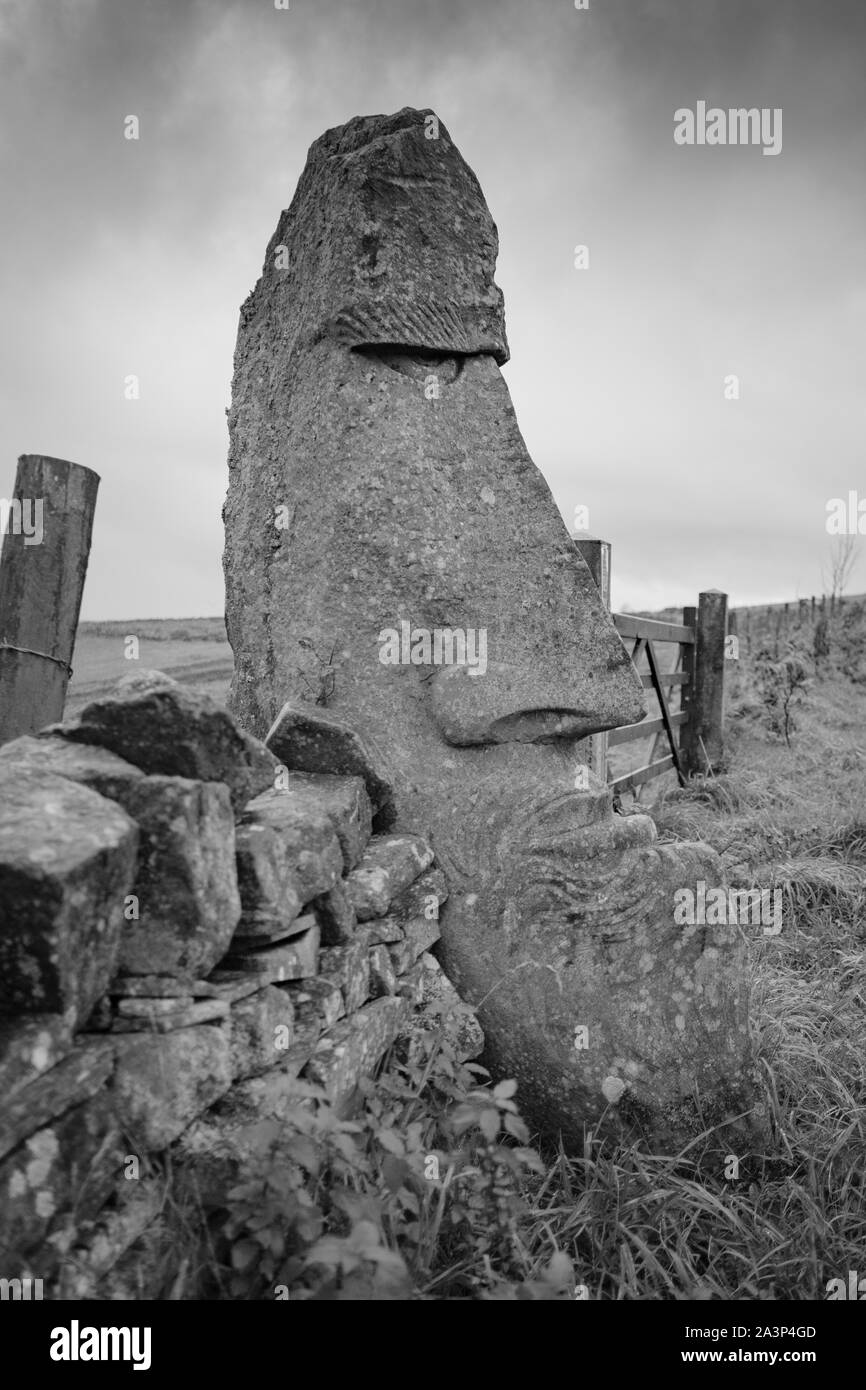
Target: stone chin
{"x": 560, "y": 915}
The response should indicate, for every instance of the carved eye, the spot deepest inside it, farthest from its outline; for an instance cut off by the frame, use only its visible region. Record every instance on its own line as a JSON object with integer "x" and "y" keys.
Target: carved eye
{"x": 417, "y": 363}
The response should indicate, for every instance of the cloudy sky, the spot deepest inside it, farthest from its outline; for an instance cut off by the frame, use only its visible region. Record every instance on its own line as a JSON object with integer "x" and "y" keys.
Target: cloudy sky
{"x": 121, "y": 257}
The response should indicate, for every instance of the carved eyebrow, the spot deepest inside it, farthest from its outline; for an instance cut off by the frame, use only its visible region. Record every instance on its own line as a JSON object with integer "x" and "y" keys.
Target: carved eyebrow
{"x": 421, "y": 325}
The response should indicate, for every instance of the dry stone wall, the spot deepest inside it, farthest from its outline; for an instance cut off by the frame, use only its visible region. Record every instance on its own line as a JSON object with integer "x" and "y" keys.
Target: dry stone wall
{"x": 187, "y": 924}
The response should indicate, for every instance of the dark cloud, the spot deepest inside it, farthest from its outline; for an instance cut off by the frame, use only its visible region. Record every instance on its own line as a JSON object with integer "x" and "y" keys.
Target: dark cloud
{"x": 126, "y": 257}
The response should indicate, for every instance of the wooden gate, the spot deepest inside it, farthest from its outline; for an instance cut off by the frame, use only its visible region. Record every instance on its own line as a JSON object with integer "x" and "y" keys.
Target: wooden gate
{"x": 692, "y": 736}
{"x": 643, "y": 634}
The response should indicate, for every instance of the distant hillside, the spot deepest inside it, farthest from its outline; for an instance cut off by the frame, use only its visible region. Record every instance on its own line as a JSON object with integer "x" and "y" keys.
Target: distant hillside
{"x": 158, "y": 629}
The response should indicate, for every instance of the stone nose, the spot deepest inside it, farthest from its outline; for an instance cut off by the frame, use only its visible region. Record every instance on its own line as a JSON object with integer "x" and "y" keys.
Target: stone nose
{"x": 516, "y": 704}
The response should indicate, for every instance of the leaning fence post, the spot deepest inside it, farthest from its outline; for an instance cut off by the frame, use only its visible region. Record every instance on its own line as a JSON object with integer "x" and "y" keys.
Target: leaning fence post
{"x": 42, "y": 569}
{"x": 707, "y": 705}
{"x": 597, "y": 555}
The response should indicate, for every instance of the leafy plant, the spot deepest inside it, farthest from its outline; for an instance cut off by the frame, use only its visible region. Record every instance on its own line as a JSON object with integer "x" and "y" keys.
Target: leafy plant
{"x": 424, "y": 1185}
{"x": 782, "y": 685}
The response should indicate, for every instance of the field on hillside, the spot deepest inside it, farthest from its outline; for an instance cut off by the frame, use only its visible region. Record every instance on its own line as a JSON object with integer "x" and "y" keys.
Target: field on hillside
{"x": 192, "y": 650}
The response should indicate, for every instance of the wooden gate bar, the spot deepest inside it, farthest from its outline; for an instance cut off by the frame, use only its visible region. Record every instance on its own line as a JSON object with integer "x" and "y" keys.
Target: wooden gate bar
{"x": 628, "y": 625}
{"x": 642, "y": 774}
{"x": 666, "y": 716}
{"x": 629, "y": 732}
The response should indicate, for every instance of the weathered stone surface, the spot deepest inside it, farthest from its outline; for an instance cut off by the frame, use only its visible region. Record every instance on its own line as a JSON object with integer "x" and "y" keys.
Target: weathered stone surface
{"x": 633, "y": 1015}
{"x": 335, "y": 915}
{"x": 390, "y": 864}
{"x": 97, "y": 768}
{"x": 307, "y": 1036}
{"x": 142, "y": 682}
{"x": 152, "y": 987}
{"x": 267, "y": 880}
{"x": 316, "y": 1001}
{"x": 423, "y": 898}
{"x": 245, "y": 941}
{"x": 537, "y": 602}
{"x": 165, "y": 728}
{"x": 230, "y": 985}
{"x": 153, "y": 1008}
{"x": 415, "y": 914}
{"x": 30, "y": 1045}
{"x": 411, "y": 985}
{"x": 416, "y": 518}
{"x": 413, "y": 245}
{"x": 61, "y": 1174}
{"x": 263, "y": 1027}
{"x": 67, "y": 858}
{"x": 348, "y": 967}
{"x": 383, "y": 978}
{"x": 419, "y": 935}
{"x": 315, "y": 740}
{"x": 440, "y": 1006}
{"x": 155, "y": 1020}
{"x": 90, "y": 1260}
{"x": 383, "y": 930}
{"x": 354, "y": 1047}
{"x": 291, "y": 960}
{"x": 224, "y": 1147}
{"x": 164, "y": 1081}
{"x": 345, "y": 803}
{"x": 101, "y": 1016}
{"x": 313, "y": 857}
{"x": 73, "y": 1080}
{"x": 186, "y": 884}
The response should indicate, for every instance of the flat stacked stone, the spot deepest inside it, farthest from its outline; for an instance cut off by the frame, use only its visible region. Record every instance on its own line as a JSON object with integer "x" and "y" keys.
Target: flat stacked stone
{"x": 390, "y": 864}
{"x": 165, "y": 728}
{"x": 312, "y": 739}
{"x": 162, "y": 1081}
{"x": 67, "y": 861}
{"x": 181, "y": 909}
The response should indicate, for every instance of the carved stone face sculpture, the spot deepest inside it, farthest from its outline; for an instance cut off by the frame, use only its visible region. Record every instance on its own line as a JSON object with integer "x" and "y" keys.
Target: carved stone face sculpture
{"x": 394, "y": 556}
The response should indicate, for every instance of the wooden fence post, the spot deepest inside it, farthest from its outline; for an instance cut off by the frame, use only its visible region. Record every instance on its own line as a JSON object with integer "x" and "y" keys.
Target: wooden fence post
{"x": 707, "y": 704}
{"x": 687, "y": 696}
{"x": 597, "y": 555}
{"x": 42, "y": 569}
